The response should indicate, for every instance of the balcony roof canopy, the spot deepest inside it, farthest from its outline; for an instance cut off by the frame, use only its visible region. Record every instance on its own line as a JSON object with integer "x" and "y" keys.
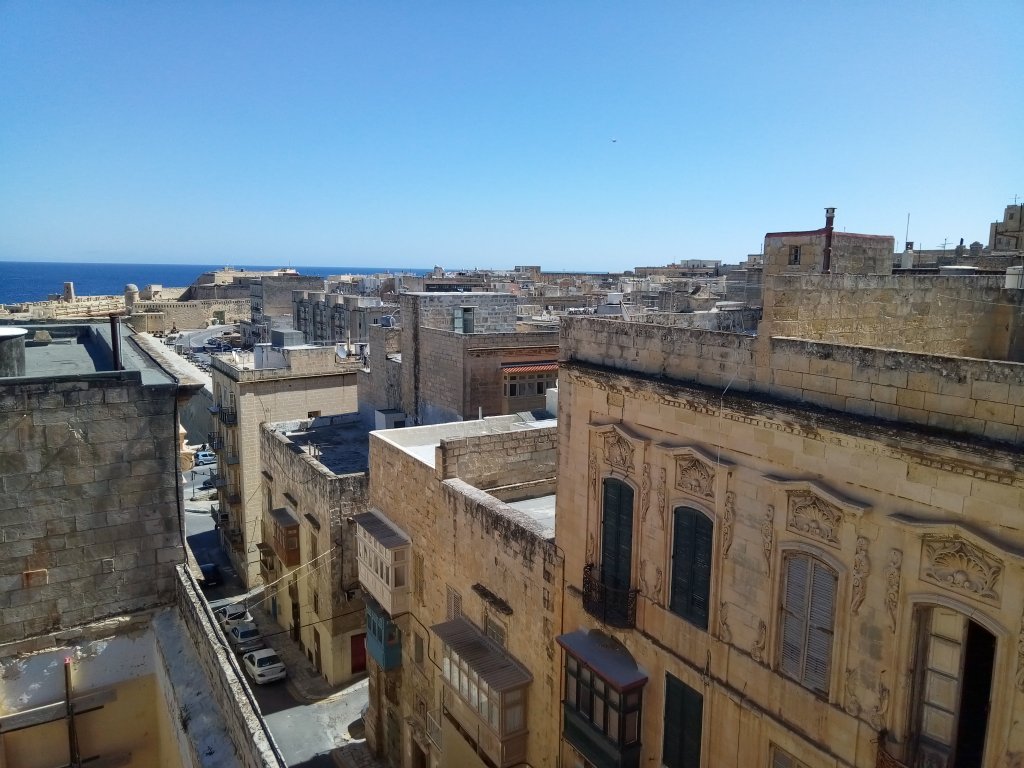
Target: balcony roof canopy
{"x": 380, "y": 530}
{"x": 606, "y": 656}
{"x": 494, "y": 666}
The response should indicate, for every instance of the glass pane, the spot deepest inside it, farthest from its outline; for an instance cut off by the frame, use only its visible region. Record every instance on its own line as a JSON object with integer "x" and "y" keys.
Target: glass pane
{"x": 937, "y": 724}
{"x": 613, "y": 725}
{"x": 947, "y": 623}
{"x": 940, "y": 690}
{"x": 945, "y": 656}
{"x": 629, "y": 733}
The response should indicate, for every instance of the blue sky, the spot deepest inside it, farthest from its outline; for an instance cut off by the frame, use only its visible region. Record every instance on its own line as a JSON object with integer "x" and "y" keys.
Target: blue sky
{"x": 575, "y": 135}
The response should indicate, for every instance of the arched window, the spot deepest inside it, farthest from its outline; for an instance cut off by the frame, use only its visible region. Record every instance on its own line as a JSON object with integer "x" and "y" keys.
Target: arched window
{"x": 617, "y": 535}
{"x": 692, "y": 539}
{"x": 808, "y": 619}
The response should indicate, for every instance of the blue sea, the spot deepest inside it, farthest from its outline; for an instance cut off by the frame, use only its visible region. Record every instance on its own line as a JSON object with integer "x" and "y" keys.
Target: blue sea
{"x": 35, "y": 281}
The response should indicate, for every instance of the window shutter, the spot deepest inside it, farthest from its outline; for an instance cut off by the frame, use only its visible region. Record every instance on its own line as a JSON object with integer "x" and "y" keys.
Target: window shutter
{"x": 703, "y": 541}
{"x": 617, "y": 535}
{"x": 794, "y": 622}
{"x": 682, "y": 562}
{"x": 684, "y": 716}
{"x": 821, "y": 614}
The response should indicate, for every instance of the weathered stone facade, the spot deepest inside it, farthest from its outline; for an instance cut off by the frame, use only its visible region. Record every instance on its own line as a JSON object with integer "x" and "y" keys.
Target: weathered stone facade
{"x": 474, "y": 556}
{"x": 315, "y": 596}
{"x": 897, "y": 474}
{"x": 304, "y": 382}
{"x": 90, "y": 496}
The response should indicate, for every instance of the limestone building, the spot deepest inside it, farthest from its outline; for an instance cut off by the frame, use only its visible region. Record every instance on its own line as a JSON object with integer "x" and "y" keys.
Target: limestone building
{"x": 463, "y": 594}
{"x": 272, "y": 383}
{"x": 336, "y": 318}
{"x": 270, "y": 303}
{"x": 459, "y": 356}
{"x": 109, "y": 656}
{"x": 314, "y": 474}
{"x": 800, "y": 548}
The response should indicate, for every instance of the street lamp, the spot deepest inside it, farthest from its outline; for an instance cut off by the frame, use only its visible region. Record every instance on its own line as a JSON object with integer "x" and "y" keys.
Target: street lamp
{"x": 193, "y": 485}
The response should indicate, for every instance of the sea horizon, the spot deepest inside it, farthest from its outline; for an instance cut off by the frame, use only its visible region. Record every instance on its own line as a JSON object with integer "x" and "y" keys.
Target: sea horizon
{"x": 28, "y": 281}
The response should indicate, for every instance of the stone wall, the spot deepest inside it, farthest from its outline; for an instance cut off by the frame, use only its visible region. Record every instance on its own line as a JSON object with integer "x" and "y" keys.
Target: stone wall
{"x": 380, "y": 386}
{"x": 729, "y": 321}
{"x": 253, "y": 743}
{"x": 460, "y": 374}
{"x": 492, "y": 312}
{"x": 505, "y": 458}
{"x": 467, "y": 543}
{"x": 185, "y": 315}
{"x": 296, "y": 480}
{"x": 977, "y": 397}
{"x": 89, "y": 500}
{"x": 890, "y": 504}
{"x": 946, "y": 315}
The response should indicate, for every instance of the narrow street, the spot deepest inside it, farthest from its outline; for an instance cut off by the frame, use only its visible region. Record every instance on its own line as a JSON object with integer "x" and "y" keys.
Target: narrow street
{"x": 309, "y": 720}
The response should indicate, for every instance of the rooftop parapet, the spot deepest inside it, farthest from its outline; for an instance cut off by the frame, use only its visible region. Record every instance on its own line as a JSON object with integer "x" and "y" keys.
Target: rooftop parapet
{"x": 968, "y": 396}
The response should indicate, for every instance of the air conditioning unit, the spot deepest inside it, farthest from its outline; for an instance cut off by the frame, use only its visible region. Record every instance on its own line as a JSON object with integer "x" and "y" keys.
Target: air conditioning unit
{"x": 389, "y": 419}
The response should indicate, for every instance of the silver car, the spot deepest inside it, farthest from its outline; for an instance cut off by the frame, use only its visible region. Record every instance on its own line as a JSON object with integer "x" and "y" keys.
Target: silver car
{"x": 245, "y": 637}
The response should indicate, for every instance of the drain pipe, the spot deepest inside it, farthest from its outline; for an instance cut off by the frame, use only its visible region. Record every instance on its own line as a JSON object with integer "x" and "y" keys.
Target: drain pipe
{"x": 826, "y": 263}
{"x": 115, "y": 341}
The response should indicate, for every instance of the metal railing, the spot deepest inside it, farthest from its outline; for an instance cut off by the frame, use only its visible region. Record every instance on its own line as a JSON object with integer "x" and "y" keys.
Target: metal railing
{"x": 228, "y": 416}
{"x": 609, "y": 605}
{"x": 434, "y": 728}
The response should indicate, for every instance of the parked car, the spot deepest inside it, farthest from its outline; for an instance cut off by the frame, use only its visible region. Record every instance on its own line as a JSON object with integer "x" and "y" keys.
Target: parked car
{"x": 207, "y": 484}
{"x": 245, "y": 636}
{"x": 264, "y": 666}
{"x": 211, "y": 575}
{"x": 205, "y": 457}
{"x": 230, "y": 615}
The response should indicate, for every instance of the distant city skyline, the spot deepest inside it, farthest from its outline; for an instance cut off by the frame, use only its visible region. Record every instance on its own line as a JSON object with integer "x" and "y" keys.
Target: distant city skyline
{"x": 573, "y": 135}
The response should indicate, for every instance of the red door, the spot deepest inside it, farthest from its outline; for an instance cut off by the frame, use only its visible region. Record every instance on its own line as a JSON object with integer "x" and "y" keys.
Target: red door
{"x": 359, "y": 653}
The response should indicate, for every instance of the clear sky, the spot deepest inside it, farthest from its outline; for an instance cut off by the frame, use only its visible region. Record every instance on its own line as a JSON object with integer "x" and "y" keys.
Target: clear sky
{"x": 575, "y": 135}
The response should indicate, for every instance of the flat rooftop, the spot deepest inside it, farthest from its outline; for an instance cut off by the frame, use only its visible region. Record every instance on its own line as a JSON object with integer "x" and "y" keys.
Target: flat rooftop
{"x": 62, "y": 350}
{"x": 541, "y": 510}
{"x": 421, "y": 441}
{"x": 340, "y": 443}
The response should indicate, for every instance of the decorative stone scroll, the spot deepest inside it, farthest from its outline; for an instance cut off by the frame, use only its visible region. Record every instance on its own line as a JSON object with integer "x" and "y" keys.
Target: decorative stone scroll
{"x": 768, "y": 536}
{"x": 1020, "y": 657}
{"x": 695, "y": 477}
{"x": 724, "y": 633}
{"x": 959, "y": 566}
{"x": 659, "y": 578}
{"x": 893, "y": 577}
{"x": 645, "y": 491}
{"x": 728, "y": 521}
{"x": 861, "y": 568}
{"x": 757, "y": 653}
{"x": 618, "y": 452}
{"x": 812, "y": 516}
{"x": 593, "y": 475}
{"x": 663, "y": 496}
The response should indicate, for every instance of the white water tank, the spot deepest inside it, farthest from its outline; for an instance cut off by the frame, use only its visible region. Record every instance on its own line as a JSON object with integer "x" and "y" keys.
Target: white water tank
{"x": 1015, "y": 278}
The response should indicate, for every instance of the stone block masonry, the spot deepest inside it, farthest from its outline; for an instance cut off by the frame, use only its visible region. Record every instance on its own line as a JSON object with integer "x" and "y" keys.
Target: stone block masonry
{"x": 89, "y": 517}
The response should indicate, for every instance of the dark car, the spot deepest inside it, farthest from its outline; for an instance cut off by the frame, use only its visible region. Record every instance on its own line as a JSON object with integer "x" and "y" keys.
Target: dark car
{"x": 211, "y": 574}
{"x": 206, "y": 484}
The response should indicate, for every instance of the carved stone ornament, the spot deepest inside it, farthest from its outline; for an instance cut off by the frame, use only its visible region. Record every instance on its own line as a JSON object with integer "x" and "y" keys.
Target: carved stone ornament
{"x": 724, "y": 633}
{"x": 959, "y": 566}
{"x": 645, "y": 491}
{"x": 695, "y": 477}
{"x": 852, "y": 702}
{"x": 813, "y": 516}
{"x": 768, "y": 536}
{"x": 861, "y": 568}
{"x": 881, "y": 709}
{"x": 893, "y": 577}
{"x": 618, "y": 452}
{"x": 662, "y": 496}
{"x": 591, "y": 547}
{"x": 1020, "y": 657}
{"x": 593, "y": 474}
{"x": 659, "y": 578}
{"x": 758, "y": 651}
{"x": 728, "y": 520}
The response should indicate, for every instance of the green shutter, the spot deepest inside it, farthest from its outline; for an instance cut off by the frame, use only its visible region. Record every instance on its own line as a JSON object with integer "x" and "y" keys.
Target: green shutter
{"x": 617, "y": 535}
{"x": 691, "y": 566}
{"x": 684, "y": 718}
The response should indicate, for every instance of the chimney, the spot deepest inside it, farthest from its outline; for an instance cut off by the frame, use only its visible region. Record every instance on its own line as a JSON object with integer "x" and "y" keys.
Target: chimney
{"x": 115, "y": 341}
{"x": 826, "y": 262}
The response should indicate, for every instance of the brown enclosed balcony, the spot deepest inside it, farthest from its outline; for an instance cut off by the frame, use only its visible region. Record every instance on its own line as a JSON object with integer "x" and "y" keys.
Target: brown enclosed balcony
{"x": 281, "y": 531}
{"x": 611, "y": 606}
